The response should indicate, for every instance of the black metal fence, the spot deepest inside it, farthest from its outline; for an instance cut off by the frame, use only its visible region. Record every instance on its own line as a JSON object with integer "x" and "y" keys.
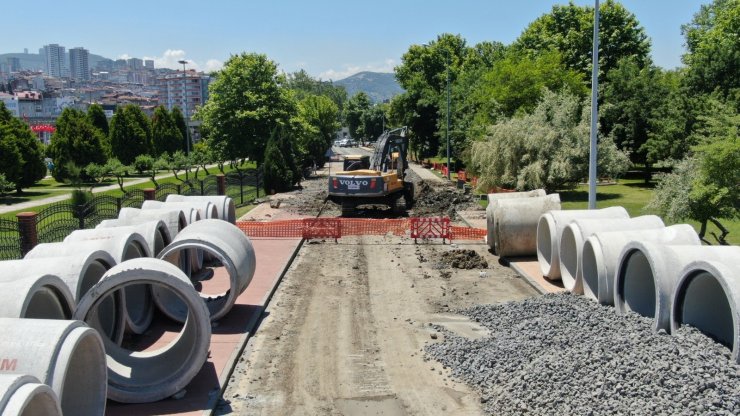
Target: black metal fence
{"x": 58, "y": 220}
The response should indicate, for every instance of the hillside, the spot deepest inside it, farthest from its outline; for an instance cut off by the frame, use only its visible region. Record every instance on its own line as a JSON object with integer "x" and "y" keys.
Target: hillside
{"x": 379, "y": 86}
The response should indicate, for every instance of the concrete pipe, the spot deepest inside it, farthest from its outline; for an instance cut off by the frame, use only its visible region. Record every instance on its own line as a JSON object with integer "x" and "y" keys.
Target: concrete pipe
{"x": 33, "y": 294}
{"x": 601, "y": 252}
{"x": 224, "y": 204}
{"x": 155, "y": 232}
{"x": 516, "y": 223}
{"x": 22, "y": 395}
{"x": 205, "y": 209}
{"x": 148, "y": 376}
{"x": 66, "y": 355}
{"x": 707, "y": 297}
{"x": 174, "y": 219}
{"x": 648, "y": 273}
{"x": 491, "y": 215}
{"x": 138, "y": 299}
{"x": 550, "y": 228}
{"x": 575, "y": 234}
{"x": 226, "y": 243}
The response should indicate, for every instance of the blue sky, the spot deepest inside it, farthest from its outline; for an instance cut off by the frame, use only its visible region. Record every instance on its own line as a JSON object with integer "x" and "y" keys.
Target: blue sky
{"x": 328, "y": 38}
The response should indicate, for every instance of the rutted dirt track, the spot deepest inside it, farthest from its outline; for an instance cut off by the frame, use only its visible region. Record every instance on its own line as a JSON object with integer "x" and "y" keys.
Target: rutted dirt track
{"x": 345, "y": 331}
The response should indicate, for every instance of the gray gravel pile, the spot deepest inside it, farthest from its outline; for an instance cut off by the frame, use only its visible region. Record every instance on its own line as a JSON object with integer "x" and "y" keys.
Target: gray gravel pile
{"x": 564, "y": 354}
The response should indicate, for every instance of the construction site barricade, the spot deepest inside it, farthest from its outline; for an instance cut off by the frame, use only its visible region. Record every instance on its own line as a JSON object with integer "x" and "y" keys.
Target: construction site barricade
{"x": 434, "y": 227}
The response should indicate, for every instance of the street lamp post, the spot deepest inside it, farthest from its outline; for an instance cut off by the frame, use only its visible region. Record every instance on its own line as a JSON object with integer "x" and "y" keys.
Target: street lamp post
{"x": 594, "y": 112}
{"x": 447, "y": 131}
{"x": 185, "y": 111}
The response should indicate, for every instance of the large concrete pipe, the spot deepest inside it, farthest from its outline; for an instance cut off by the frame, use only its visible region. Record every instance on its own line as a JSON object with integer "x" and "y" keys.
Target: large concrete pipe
{"x": 205, "y": 209}
{"x": 23, "y": 395}
{"x": 174, "y": 219}
{"x": 80, "y": 266}
{"x": 575, "y": 234}
{"x": 148, "y": 376}
{"x": 491, "y": 215}
{"x": 33, "y": 294}
{"x": 707, "y": 297}
{"x": 66, "y": 355}
{"x": 600, "y": 255}
{"x": 230, "y": 246}
{"x": 155, "y": 232}
{"x": 550, "y": 228}
{"x": 122, "y": 244}
{"x": 224, "y": 204}
{"x": 516, "y": 223}
{"x": 648, "y": 273}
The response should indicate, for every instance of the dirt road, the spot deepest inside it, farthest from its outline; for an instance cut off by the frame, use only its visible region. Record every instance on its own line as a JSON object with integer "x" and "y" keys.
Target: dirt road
{"x": 345, "y": 332}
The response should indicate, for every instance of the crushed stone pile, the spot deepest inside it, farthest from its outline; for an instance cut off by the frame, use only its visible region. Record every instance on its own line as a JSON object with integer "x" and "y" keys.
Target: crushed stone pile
{"x": 463, "y": 259}
{"x": 564, "y": 354}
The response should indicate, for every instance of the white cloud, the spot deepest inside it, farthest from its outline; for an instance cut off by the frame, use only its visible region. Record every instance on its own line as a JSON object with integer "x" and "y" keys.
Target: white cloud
{"x": 347, "y": 69}
{"x": 125, "y": 56}
{"x": 213, "y": 65}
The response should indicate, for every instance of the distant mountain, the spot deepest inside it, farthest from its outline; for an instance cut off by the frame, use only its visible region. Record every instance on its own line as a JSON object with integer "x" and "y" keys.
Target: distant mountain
{"x": 34, "y": 61}
{"x": 379, "y": 86}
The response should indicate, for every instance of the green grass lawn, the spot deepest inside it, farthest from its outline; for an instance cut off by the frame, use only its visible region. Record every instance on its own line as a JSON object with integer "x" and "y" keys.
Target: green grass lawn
{"x": 50, "y": 183}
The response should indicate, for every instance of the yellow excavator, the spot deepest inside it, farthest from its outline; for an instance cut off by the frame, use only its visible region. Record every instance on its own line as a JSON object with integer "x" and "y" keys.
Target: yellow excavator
{"x": 375, "y": 180}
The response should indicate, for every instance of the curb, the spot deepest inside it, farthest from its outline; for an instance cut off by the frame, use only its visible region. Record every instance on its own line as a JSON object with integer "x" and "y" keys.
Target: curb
{"x": 256, "y": 319}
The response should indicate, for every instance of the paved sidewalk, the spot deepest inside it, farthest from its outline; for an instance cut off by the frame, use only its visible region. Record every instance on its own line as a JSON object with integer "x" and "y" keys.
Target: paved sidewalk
{"x": 426, "y": 174}
{"x": 64, "y": 195}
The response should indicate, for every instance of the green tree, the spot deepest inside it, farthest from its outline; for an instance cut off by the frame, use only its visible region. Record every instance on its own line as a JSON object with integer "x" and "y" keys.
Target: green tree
{"x": 569, "y": 30}
{"x": 424, "y": 72}
{"x": 713, "y": 57}
{"x": 10, "y": 156}
{"x": 97, "y": 118}
{"x": 75, "y": 141}
{"x": 546, "y": 149}
{"x": 278, "y": 177}
{"x": 5, "y": 185}
{"x": 202, "y": 156}
{"x": 372, "y": 121}
{"x": 633, "y": 96}
{"x": 286, "y": 145}
{"x": 247, "y": 102}
{"x": 166, "y": 137}
{"x": 303, "y": 85}
{"x": 118, "y": 170}
{"x": 130, "y": 134}
{"x": 29, "y": 167}
{"x": 321, "y": 113}
{"x": 179, "y": 119}
{"x": 357, "y": 105}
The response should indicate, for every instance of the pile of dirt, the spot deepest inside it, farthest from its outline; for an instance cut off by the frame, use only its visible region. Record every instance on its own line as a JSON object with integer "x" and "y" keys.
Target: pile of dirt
{"x": 463, "y": 259}
{"x": 441, "y": 201}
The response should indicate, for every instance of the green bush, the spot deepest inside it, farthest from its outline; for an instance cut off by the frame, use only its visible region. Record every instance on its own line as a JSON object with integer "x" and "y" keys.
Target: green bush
{"x": 278, "y": 175}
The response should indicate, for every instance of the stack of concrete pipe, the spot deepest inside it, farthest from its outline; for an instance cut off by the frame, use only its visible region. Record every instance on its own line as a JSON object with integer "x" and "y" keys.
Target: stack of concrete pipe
{"x": 491, "y": 219}
{"x": 639, "y": 265}
{"x": 550, "y": 229}
{"x": 516, "y": 223}
{"x": 25, "y": 395}
{"x": 224, "y": 204}
{"x": 68, "y": 356}
{"x": 224, "y": 242}
{"x": 141, "y": 377}
{"x": 600, "y": 255}
{"x": 575, "y": 234}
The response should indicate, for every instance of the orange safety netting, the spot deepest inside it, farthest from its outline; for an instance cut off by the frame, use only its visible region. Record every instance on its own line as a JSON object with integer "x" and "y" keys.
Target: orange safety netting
{"x": 338, "y": 227}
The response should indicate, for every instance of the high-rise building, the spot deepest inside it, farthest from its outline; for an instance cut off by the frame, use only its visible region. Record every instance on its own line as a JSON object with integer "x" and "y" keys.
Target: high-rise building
{"x": 135, "y": 64}
{"x": 55, "y": 60}
{"x": 187, "y": 90}
{"x": 14, "y": 64}
{"x": 149, "y": 63}
{"x": 78, "y": 64}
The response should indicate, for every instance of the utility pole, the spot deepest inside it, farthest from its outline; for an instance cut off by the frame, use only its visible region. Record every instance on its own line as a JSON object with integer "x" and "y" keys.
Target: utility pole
{"x": 185, "y": 111}
{"x": 447, "y": 132}
{"x": 594, "y": 112}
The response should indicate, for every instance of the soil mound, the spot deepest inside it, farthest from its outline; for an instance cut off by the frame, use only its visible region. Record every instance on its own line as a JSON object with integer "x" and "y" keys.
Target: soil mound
{"x": 463, "y": 259}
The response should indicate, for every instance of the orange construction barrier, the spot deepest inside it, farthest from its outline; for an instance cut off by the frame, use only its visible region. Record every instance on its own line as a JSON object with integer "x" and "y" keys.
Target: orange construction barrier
{"x": 309, "y": 228}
